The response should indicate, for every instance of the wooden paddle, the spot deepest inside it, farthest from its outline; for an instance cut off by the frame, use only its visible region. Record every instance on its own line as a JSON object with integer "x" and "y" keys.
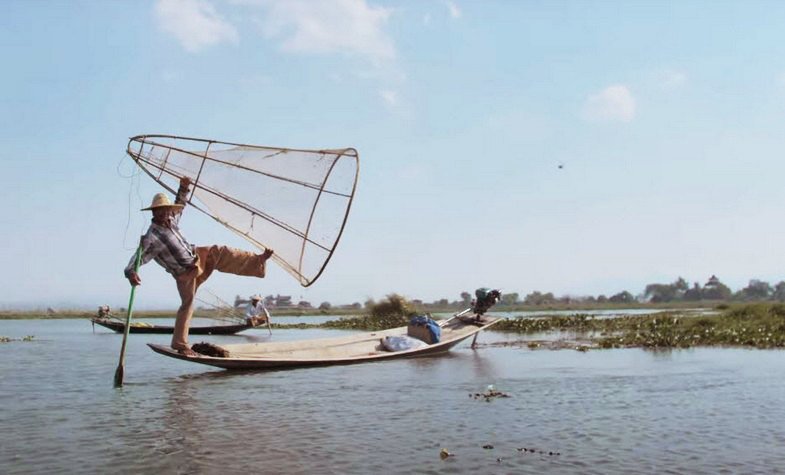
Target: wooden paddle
{"x": 118, "y": 374}
{"x": 267, "y": 314}
{"x": 459, "y": 314}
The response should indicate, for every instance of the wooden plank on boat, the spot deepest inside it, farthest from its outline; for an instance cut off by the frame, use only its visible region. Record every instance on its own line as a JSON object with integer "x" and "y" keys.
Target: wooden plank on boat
{"x": 358, "y": 348}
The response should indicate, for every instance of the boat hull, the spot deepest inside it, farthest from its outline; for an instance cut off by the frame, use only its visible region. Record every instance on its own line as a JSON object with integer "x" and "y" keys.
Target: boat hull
{"x": 353, "y": 349}
{"x": 119, "y": 327}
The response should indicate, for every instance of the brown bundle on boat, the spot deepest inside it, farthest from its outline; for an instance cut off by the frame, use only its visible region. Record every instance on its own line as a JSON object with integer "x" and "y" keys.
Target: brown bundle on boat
{"x": 208, "y": 349}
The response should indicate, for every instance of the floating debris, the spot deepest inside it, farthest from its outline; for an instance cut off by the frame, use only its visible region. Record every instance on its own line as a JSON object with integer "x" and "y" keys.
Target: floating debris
{"x": 489, "y": 394}
{"x": 487, "y": 446}
{"x": 445, "y": 453}
{"x": 535, "y": 451}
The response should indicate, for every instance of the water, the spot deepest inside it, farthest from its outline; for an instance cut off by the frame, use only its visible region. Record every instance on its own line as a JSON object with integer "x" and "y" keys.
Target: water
{"x": 611, "y": 411}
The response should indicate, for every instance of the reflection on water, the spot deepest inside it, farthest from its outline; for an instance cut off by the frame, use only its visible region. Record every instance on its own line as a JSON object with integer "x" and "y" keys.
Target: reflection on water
{"x": 612, "y": 411}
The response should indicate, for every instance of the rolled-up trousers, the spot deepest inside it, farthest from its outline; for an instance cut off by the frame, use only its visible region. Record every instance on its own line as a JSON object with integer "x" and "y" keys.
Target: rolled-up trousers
{"x": 220, "y": 258}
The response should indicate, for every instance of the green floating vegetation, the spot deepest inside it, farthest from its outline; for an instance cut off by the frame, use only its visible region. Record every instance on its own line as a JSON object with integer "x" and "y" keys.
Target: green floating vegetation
{"x": 756, "y": 325}
{"x": 5, "y": 339}
{"x": 548, "y": 323}
{"x": 368, "y": 323}
{"x": 393, "y": 312}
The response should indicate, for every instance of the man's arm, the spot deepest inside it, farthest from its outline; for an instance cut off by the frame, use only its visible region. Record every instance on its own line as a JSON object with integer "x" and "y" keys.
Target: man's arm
{"x": 148, "y": 252}
{"x": 182, "y": 197}
{"x": 182, "y": 192}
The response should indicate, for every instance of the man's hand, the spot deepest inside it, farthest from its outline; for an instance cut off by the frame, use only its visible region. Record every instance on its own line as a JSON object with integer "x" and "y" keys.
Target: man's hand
{"x": 185, "y": 182}
{"x": 267, "y": 254}
{"x": 134, "y": 279}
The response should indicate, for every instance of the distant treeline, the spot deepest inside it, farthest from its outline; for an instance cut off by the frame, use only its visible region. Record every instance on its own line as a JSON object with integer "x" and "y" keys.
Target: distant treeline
{"x": 677, "y": 291}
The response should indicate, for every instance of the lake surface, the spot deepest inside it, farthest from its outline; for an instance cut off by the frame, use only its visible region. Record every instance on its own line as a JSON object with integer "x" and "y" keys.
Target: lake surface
{"x": 606, "y": 411}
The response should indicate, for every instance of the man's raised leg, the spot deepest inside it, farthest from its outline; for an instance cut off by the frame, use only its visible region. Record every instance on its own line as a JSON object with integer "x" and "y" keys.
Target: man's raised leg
{"x": 231, "y": 261}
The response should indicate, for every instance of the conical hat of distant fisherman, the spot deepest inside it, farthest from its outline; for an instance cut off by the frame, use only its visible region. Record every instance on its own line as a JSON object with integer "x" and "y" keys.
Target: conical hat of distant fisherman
{"x": 160, "y": 200}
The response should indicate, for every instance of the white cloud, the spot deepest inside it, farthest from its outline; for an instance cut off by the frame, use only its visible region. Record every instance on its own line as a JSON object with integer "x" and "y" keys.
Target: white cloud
{"x": 390, "y": 97}
{"x": 350, "y": 27}
{"x": 612, "y": 103}
{"x": 455, "y": 12}
{"x": 194, "y": 23}
{"x": 671, "y": 79}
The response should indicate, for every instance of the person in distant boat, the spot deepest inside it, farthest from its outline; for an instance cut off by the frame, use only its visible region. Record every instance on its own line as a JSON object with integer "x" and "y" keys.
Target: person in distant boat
{"x": 189, "y": 265}
{"x": 256, "y": 313}
{"x": 104, "y": 311}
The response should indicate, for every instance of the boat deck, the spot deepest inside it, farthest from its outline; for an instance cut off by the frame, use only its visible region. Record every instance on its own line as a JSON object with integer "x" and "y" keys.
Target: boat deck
{"x": 326, "y": 351}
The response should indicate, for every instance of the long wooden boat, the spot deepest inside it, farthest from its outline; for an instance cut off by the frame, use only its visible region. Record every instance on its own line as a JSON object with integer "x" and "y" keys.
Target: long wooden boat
{"x": 361, "y": 348}
{"x": 119, "y": 327}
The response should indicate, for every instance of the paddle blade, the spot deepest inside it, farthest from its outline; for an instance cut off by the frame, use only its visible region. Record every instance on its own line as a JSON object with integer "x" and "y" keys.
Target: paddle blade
{"x": 118, "y": 376}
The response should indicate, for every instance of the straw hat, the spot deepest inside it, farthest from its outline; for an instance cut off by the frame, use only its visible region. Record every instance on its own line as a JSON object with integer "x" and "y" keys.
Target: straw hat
{"x": 160, "y": 200}
{"x": 255, "y": 297}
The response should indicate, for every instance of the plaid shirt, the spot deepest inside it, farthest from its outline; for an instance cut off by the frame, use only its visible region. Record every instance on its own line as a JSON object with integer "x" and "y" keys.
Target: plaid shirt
{"x": 166, "y": 245}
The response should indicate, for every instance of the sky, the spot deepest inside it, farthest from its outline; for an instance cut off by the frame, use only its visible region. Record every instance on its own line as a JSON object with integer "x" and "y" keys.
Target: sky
{"x": 579, "y": 148}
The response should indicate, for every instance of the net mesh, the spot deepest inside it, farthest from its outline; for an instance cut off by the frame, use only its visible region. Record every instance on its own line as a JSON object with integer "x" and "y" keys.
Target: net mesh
{"x": 294, "y": 202}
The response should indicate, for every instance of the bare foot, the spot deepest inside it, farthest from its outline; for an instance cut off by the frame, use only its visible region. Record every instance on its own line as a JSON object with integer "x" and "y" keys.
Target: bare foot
{"x": 188, "y": 352}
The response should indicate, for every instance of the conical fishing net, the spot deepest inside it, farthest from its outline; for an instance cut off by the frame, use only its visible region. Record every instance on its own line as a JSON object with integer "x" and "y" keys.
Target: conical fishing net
{"x": 294, "y": 202}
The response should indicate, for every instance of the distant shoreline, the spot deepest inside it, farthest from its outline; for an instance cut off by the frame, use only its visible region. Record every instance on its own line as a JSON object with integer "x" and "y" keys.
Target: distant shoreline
{"x": 299, "y": 312}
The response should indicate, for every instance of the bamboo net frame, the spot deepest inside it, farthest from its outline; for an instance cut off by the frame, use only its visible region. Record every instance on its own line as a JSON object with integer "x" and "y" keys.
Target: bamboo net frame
{"x": 310, "y": 193}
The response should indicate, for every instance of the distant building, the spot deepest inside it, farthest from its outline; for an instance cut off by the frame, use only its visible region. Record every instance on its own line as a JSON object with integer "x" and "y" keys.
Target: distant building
{"x": 240, "y": 302}
{"x": 271, "y": 301}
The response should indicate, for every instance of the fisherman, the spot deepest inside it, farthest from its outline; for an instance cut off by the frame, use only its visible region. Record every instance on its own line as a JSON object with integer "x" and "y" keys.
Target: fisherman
{"x": 189, "y": 265}
{"x": 104, "y": 311}
{"x": 256, "y": 313}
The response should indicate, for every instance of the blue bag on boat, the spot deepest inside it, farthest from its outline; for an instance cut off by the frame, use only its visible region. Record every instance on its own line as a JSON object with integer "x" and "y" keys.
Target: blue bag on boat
{"x": 425, "y": 329}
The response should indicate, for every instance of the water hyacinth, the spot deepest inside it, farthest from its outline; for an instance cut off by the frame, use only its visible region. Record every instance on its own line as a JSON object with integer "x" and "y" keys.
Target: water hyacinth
{"x": 5, "y": 339}
{"x": 368, "y": 323}
{"x": 391, "y": 313}
{"x": 757, "y": 325}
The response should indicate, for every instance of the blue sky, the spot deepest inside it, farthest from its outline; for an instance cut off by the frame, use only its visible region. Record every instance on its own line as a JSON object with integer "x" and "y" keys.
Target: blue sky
{"x": 666, "y": 116}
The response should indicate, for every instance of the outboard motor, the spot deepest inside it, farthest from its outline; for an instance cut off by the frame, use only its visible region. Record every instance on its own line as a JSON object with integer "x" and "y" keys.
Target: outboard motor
{"x": 485, "y": 299}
